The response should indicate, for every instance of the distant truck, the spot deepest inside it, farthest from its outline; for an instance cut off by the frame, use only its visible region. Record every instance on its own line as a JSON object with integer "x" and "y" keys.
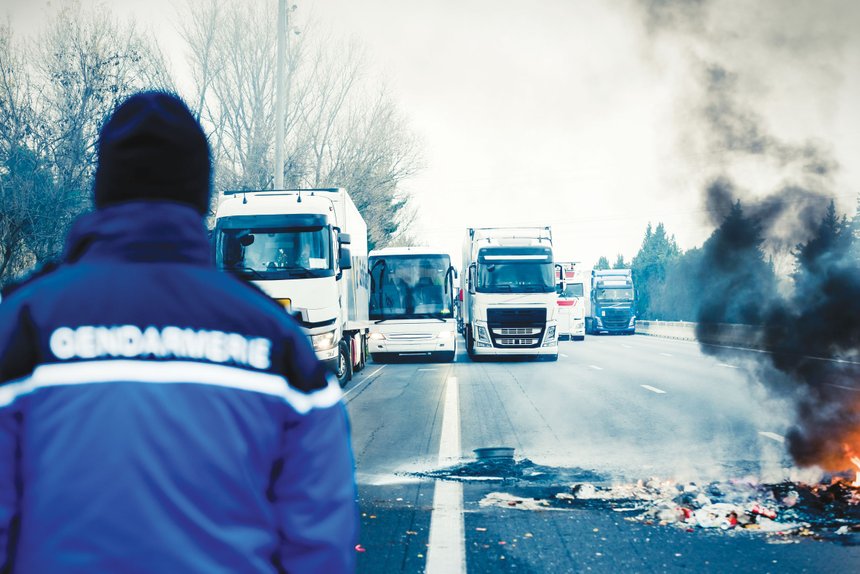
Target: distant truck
{"x": 307, "y": 249}
{"x": 612, "y": 302}
{"x": 412, "y": 297}
{"x": 571, "y": 303}
{"x": 509, "y": 282}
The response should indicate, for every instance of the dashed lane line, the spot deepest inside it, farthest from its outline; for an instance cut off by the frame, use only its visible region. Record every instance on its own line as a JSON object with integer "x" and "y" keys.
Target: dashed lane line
{"x": 446, "y": 551}
{"x": 563, "y": 355}
{"x": 653, "y": 389}
{"x": 667, "y": 354}
{"x": 596, "y": 368}
{"x": 772, "y": 436}
{"x": 727, "y": 366}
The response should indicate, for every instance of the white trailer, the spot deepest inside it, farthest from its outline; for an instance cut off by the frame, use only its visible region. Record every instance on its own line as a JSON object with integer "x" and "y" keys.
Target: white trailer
{"x": 412, "y": 304}
{"x": 307, "y": 249}
{"x": 509, "y": 300}
{"x": 571, "y": 303}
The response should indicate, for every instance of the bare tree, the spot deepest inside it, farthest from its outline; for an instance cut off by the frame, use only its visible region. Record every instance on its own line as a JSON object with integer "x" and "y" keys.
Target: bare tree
{"x": 336, "y": 134}
{"x": 57, "y": 91}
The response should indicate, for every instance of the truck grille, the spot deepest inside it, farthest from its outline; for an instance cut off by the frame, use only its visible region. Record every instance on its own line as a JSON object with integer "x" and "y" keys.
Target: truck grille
{"x": 409, "y": 336}
{"x": 517, "y": 327}
{"x": 517, "y": 331}
{"x": 516, "y": 342}
{"x": 616, "y": 318}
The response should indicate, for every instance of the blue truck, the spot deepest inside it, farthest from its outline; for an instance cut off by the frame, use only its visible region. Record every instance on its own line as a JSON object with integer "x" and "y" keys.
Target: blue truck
{"x": 611, "y": 303}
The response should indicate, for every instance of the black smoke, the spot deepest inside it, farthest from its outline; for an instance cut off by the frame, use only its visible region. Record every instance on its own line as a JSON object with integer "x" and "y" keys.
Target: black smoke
{"x": 781, "y": 258}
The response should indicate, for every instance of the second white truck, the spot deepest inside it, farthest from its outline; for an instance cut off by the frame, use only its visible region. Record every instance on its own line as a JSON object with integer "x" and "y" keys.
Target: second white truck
{"x": 509, "y": 296}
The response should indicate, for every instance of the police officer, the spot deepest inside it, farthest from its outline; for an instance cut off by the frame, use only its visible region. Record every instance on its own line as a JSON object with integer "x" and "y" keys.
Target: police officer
{"x": 157, "y": 415}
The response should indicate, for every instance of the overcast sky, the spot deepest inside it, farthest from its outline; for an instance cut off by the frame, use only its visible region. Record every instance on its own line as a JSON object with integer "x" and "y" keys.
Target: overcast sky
{"x": 587, "y": 115}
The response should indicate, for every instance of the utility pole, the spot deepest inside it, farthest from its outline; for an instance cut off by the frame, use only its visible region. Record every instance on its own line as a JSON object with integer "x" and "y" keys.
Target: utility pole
{"x": 280, "y": 97}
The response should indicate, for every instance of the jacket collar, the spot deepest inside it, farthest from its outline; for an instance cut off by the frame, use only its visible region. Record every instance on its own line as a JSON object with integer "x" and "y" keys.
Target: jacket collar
{"x": 140, "y": 231}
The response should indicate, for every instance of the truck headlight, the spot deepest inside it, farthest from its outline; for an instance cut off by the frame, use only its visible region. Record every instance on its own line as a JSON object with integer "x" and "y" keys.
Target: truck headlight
{"x": 632, "y": 322}
{"x": 550, "y": 337}
{"x": 324, "y": 341}
{"x": 376, "y": 337}
{"x": 482, "y": 335}
{"x": 446, "y": 335}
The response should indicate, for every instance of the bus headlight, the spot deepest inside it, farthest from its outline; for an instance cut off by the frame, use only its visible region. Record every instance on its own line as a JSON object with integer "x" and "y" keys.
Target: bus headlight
{"x": 324, "y": 341}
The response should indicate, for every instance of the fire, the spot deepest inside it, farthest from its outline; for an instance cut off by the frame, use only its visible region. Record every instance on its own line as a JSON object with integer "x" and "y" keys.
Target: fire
{"x": 856, "y": 461}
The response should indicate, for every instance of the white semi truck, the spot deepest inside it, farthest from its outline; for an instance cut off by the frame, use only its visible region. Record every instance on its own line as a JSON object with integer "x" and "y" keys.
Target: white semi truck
{"x": 509, "y": 295}
{"x": 307, "y": 249}
{"x": 412, "y": 304}
{"x": 571, "y": 303}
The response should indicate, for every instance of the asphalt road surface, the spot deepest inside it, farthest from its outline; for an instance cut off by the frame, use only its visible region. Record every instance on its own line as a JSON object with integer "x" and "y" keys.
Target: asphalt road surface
{"x": 612, "y": 410}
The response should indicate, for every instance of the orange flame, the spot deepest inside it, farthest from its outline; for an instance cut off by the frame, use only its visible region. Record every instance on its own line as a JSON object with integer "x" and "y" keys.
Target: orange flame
{"x": 856, "y": 461}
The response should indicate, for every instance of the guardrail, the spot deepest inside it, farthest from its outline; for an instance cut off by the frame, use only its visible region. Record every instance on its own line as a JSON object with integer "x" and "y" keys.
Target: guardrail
{"x": 733, "y": 335}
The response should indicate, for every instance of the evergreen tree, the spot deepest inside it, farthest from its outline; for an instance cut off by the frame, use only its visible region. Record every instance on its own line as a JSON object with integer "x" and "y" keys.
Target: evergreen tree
{"x": 602, "y": 263}
{"x": 649, "y": 266}
{"x": 620, "y": 263}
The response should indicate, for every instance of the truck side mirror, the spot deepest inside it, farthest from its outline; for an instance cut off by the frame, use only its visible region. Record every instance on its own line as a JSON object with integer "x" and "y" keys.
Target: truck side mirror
{"x": 562, "y": 282}
{"x": 344, "y": 258}
{"x": 344, "y": 238}
{"x": 471, "y": 279}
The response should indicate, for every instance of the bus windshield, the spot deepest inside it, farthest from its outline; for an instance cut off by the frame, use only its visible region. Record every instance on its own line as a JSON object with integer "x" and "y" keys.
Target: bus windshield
{"x": 410, "y": 287}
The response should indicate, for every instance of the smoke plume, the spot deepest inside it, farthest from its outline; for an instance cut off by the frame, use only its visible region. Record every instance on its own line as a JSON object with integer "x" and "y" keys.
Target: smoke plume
{"x": 807, "y": 319}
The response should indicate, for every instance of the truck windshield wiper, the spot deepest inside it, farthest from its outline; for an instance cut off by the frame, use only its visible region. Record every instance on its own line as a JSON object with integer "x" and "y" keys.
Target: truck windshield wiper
{"x": 249, "y": 269}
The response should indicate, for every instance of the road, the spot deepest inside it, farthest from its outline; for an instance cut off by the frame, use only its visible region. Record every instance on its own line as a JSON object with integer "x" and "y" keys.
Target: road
{"x": 612, "y": 410}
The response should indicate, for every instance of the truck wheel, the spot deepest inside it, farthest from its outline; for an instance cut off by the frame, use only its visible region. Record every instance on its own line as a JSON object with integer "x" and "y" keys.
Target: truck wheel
{"x": 344, "y": 363}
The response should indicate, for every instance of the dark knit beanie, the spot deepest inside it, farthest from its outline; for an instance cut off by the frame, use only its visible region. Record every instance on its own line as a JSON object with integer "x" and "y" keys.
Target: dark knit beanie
{"x": 153, "y": 148}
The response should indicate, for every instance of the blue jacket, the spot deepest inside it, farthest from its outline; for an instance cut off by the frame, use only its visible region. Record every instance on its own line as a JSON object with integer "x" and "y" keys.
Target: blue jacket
{"x": 159, "y": 416}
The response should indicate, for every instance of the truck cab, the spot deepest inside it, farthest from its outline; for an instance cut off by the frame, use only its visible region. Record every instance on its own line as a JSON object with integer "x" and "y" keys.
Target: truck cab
{"x": 509, "y": 306}
{"x": 307, "y": 250}
{"x": 612, "y": 302}
{"x": 571, "y": 304}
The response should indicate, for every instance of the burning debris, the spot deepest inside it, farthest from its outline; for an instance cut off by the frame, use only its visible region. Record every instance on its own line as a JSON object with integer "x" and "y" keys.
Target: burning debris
{"x": 786, "y": 509}
{"x": 795, "y": 508}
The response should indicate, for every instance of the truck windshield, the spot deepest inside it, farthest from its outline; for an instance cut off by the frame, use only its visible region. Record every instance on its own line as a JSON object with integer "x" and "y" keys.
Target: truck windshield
{"x": 275, "y": 252}
{"x": 573, "y": 290}
{"x": 410, "y": 287}
{"x": 516, "y": 277}
{"x": 615, "y": 294}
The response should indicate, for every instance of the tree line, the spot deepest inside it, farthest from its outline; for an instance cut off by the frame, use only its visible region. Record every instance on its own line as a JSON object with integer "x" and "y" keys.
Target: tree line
{"x": 732, "y": 277}
{"x": 58, "y": 86}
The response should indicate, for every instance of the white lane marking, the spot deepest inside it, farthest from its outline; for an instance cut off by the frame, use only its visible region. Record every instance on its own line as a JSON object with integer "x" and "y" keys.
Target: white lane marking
{"x": 419, "y": 370}
{"x": 367, "y": 379}
{"x": 596, "y": 368}
{"x": 772, "y": 436}
{"x": 843, "y": 387}
{"x": 727, "y": 366}
{"x": 667, "y": 354}
{"x": 446, "y": 551}
{"x": 653, "y": 389}
{"x": 563, "y": 355}
{"x": 626, "y": 346}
